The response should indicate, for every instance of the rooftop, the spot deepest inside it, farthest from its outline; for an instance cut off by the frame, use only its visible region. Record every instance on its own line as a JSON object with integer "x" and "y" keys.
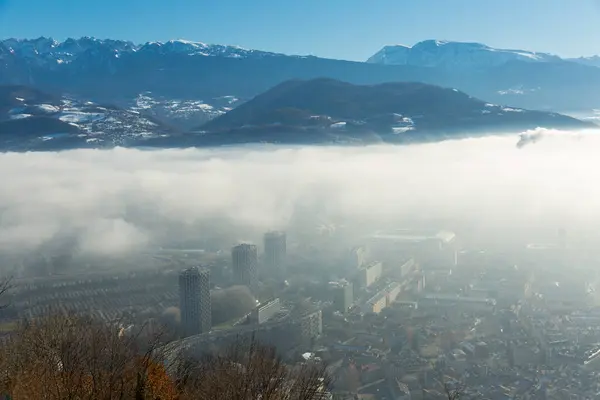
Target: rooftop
{"x": 413, "y": 236}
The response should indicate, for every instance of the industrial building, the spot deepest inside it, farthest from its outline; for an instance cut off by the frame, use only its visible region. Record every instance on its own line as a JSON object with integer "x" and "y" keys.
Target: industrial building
{"x": 245, "y": 265}
{"x": 275, "y": 252}
{"x": 194, "y": 301}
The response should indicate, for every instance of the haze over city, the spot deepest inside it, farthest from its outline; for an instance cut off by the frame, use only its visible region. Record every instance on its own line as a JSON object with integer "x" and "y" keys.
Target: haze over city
{"x": 125, "y": 200}
{"x": 299, "y": 200}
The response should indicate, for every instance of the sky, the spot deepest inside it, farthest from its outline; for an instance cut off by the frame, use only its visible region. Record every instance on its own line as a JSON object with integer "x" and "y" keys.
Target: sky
{"x": 343, "y": 29}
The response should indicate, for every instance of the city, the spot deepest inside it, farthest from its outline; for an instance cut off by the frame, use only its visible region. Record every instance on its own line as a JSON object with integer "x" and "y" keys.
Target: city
{"x": 299, "y": 200}
{"x": 405, "y": 314}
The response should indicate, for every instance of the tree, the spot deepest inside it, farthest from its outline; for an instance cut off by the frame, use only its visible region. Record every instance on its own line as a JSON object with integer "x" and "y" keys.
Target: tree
{"x": 5, "y": 285}
{"x": 454, "y": 390}
{"x": 249, "y": 370}
{"x": 68, "y": 357}
{"x": 71, "y": 357}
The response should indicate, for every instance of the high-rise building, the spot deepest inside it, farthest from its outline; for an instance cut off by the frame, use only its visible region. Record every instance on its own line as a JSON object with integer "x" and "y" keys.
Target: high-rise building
{"x": 245, "y": 265}
{"x": 275, "y": 252}
{"x": 264, "y": 312}
{"x": 343, "y": 295}
{"x": 369, "y": 274}
{"x": 194, "y": 301}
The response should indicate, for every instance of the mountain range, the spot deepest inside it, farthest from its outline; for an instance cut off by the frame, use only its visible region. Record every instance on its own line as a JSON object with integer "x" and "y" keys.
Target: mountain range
{"x": 318, "y": 111}
{"x": 436, "y": 53}
{"x": 181, "y": 85}
{"x": 327, "y": 110}
{"x": 119, "y": 71}
{"x": 457, "y": 55}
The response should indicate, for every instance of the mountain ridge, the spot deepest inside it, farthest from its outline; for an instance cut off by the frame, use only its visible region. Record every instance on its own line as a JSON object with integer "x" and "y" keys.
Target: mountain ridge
{"x": 451, "y": 54}
{"x": 328, "y": 110}
{"x": 193, "y": 74}
{"x": 317, "y": 111}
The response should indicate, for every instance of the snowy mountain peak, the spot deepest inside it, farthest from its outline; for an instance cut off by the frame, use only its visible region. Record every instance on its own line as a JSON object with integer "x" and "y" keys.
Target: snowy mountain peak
{"x": 187, "y": 47}
{"x": 49, "y": 51}
{"x": 31, "y": 47}
{"x": 446, "y": 54}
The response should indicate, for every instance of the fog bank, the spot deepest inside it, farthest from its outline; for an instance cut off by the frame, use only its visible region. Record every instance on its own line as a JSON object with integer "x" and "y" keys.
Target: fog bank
{"x": 121, "y": 200}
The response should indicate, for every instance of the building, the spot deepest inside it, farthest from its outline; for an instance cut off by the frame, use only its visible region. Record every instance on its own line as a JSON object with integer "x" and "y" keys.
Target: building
{"x": 357, "y": 256}
{"x": 393, "y": 291}
{"x": 369, "y": 274}
{"x": 294, "y": 331}
{"x": 265, "y": 311}
{"x": 376, "y": 303}
{"x": 343, "y": 295}
{"x": 194, "y": 301}
{"x": 245, "y": 265}
{"x": 382, "y": 299}
{"x": 275, "y": 252}
{"x": 431, "y": 248}
{"x": 455, "y": 301}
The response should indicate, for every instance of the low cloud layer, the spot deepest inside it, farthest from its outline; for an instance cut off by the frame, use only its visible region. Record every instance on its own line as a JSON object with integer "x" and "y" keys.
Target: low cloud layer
{"x": 121, "y": 200}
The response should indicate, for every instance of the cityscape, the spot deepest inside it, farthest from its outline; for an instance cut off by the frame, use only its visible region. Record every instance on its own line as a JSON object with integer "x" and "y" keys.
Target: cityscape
{"x": 299, "y": 200}
{"x": 402, "y": 314}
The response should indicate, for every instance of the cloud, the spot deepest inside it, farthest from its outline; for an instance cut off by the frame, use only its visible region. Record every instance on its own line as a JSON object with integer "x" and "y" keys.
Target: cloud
{"x": 123, "y": 200}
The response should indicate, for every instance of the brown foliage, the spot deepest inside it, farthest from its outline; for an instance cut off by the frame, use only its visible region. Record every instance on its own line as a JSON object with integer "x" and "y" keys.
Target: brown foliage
{"x": 66, "y": 357}
{"x": 250, "y": 371}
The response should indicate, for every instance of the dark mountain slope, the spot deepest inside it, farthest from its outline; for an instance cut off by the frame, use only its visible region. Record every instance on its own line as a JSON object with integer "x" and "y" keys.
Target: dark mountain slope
{"x": 394, "y": 111}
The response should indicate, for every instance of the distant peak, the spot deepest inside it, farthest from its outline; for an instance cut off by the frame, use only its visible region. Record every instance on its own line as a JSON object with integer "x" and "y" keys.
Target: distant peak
{"x": 432, "y": 42}
{"x": 444, "y": 53}
{"x": 189, "y": 42}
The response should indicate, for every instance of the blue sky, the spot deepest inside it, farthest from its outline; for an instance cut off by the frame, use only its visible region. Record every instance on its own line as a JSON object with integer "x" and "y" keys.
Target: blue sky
{"x": 347, "y": 29}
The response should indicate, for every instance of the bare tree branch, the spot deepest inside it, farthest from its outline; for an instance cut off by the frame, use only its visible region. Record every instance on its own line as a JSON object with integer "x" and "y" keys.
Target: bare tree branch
{"x": 73, "y": 357}
{"x": 249, "y": 370}
{"x": 454, "y": 390}
{"x": 5, "y": 286}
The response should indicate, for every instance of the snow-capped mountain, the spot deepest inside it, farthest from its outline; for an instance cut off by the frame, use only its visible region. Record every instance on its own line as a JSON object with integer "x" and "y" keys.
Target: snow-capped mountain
{"x": 436, "y": 53}
{"x": 48, "y": 50}
{"x": 186, "y": 78}
{"x": 190, "y": 48}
